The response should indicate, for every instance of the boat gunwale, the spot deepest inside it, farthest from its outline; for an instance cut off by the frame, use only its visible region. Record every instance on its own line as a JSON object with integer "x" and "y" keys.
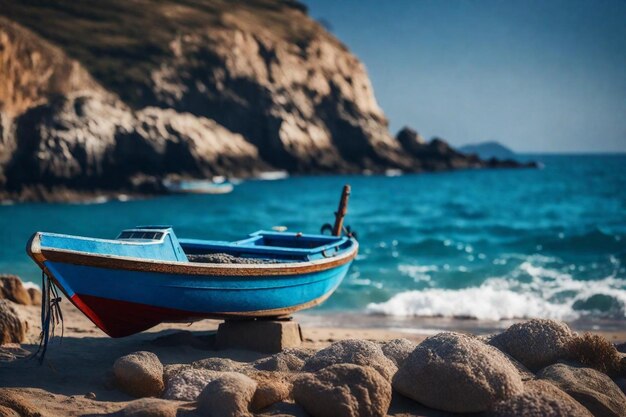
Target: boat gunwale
{"x": 41, "y": 255}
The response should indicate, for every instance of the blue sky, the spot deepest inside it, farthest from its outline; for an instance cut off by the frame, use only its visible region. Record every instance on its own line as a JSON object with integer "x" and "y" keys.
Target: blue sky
{"x": 536, "y": 75}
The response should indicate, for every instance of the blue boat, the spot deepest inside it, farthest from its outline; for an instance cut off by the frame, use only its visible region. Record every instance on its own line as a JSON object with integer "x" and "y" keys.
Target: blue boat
{"x": 217, "y": 185}
{"x": 147, "y": 275}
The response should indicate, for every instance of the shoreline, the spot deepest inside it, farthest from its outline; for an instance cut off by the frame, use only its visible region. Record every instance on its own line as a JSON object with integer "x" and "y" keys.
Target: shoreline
{"x": 613, "y": 329}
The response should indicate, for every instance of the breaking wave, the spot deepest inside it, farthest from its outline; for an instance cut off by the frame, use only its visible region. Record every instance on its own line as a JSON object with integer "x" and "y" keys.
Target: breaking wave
{"x": 547, "y": 294}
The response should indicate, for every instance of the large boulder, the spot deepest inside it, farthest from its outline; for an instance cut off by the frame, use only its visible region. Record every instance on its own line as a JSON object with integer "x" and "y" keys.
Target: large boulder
{"x": 139, "y": 374}
{"x": 357, "y": 352}
{"x": 536, "y": 343}
{"x": 149, "y": 407}
{"x": 397, "y": 350}
{"x": 12, "y": 328}
{"x": 540, "y": 399}
{"x": 229, "y": 395}
{"x": 593, "y": 389}
{"x": 11, "y": 289}
{"x": 458, "y": 373}
{"x": 343, "y": 390}
{"x": 186, "y": 384}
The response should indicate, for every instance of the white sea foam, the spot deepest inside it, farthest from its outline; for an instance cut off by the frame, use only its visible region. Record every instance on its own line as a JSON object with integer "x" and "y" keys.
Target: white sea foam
{"x": 549, "y": 294}
{"x": 28, "y": 285}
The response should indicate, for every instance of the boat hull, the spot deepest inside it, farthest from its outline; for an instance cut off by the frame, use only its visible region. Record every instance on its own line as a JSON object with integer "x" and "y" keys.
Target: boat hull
{"x": 123, "y": 296}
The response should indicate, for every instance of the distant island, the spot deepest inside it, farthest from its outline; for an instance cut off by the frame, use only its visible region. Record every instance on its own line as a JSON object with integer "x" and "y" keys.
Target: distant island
{"x": 488, "y": 150}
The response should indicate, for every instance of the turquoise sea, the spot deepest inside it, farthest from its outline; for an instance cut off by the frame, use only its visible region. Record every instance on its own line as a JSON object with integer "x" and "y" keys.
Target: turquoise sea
{"x": 490, "y": 244}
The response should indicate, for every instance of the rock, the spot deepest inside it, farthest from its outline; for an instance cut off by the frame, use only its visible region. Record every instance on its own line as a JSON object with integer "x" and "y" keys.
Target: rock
{"x": 11, "y": 289}
{"x": 535, "y": 343}
{"x": 343, "y": 390}
{"x": 90, "y": 395}
{"x": 7, "y": 412}
{"x": 397, "y": 350}
{"x": 540, "y": 399}
{"x": 16, "y": 402}
{"x": 227, "y": 396}
{"x": 139, "y": 374}
{"x": 458, "y": 373}
{"x": 436, "y": 155}
{"x": 286, "y": 361}
{"x": 218, "y": 364}
{"x": 593, "y": 389}
{"x": 149, "y": 407}
{"x": 410, "y": 140}
{"x": 259, "y": 335}
{"x": 272, "y": 387}
{"x": 12, "y": 328}
{"x": 279, "y": 363}
{"x": 357, "y": 352}
{"x": 621, "y": 383}
{"x": 35, "y": 296}
{"x": 186, "y": 384}
{"x": 169, "y": 371}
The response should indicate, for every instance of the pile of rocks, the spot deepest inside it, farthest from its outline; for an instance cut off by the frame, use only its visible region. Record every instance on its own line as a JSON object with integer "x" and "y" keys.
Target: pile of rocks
{"x": 13, "y": 328}
{"x": 528, "y": 370}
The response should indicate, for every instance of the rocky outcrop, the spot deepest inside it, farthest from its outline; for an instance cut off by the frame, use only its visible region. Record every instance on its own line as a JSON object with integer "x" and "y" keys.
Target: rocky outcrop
{"x": 12, "y": 328}
{"x": 139, "y": 374}
{"x": 220, "y": 88}
{"x": 535, "y": 343}
{"x": 457, "y": 373}
{"x": 343, "y": 390}
{"x": 593, "y": 389}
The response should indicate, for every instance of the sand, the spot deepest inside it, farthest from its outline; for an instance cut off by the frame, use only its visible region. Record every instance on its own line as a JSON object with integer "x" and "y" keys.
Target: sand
{"x": 81, "y": 362}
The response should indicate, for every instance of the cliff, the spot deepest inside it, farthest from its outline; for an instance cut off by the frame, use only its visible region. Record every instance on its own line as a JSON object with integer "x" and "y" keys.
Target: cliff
{"x": 112, "y": 96}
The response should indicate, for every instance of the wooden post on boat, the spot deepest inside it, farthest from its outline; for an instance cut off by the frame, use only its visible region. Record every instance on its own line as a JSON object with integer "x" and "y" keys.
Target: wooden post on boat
{"x": 341, "y": 211}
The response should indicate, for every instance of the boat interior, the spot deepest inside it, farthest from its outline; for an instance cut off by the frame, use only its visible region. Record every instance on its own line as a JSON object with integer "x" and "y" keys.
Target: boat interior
{"x": 259, "y": 247}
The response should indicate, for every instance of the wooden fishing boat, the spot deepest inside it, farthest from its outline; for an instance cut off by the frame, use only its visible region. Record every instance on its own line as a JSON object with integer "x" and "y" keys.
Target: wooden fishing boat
{"x": 147, "y": 275}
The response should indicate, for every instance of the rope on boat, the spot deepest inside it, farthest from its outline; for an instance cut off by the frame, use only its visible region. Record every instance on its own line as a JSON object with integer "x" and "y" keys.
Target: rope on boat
{"x": 51, "y": 315}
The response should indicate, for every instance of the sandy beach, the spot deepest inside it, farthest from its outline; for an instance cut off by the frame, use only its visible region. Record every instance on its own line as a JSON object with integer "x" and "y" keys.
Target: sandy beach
{"x": 76, "y": 377}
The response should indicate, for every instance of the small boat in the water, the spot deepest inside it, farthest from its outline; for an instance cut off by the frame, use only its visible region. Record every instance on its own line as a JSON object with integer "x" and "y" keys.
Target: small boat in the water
{"x": 147, "y": 275}
{"x": 217, "y": 185}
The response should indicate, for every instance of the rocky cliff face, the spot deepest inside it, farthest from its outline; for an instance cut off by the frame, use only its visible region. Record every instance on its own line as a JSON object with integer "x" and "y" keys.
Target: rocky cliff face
{"x": 115, "y": 96}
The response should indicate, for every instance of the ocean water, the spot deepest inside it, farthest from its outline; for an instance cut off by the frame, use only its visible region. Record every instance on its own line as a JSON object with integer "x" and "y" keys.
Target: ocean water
{"x": 489, "y": 244}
